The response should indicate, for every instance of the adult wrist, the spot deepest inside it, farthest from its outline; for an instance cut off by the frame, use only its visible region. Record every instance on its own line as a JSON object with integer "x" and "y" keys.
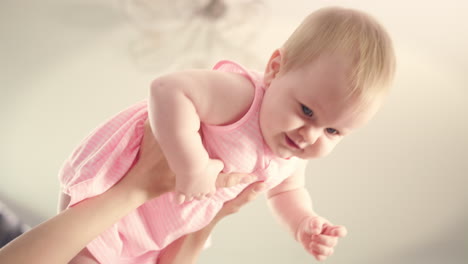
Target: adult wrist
{"x": 133, "y": 190}
{"x": 135, "y": 196}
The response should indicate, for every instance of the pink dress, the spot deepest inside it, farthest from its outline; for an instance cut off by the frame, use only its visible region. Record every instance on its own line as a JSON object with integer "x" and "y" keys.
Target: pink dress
{"x": 109, "y": 151}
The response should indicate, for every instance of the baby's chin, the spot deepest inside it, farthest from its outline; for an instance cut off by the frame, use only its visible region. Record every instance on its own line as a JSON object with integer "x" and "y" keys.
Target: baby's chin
{"x": 282, "y": 153}
{"x": 286, "y": 156}
{"x": 315, "y": 155}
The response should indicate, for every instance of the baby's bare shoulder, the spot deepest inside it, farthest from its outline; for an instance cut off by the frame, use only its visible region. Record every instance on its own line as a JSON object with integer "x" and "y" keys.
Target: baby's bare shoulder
{"x": 222, "y": 97}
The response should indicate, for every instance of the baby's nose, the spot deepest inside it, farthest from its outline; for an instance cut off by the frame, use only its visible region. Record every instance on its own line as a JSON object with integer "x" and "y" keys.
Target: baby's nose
{"x": 311, "y": 134}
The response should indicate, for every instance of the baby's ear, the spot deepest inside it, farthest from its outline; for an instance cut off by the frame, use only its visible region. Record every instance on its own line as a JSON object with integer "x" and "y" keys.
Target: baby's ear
{"x": 273, "y": 67}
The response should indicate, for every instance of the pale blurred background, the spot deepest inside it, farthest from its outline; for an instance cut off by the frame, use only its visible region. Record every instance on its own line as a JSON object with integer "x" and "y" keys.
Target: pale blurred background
{"x": 399, "y": 185}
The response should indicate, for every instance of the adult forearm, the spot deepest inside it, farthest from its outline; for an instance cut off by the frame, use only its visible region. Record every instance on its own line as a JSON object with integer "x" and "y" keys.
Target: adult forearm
{"x": 59, "y": 239}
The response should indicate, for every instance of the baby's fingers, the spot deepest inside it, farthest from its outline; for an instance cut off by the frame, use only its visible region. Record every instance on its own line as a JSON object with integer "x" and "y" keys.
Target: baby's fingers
{"x": 328, "y": 241}
{"x": 336, "y": 231}
{"x": 180, "y": 198}
{"x": 318, "y": 249}
{"x": 316, "y": 225}
{"x": 320, "y": 252}
{"x": 320, "y": 257}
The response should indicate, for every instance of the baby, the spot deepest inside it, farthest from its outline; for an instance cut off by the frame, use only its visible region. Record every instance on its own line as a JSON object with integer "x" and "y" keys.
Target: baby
{"x": 328, "y": 79}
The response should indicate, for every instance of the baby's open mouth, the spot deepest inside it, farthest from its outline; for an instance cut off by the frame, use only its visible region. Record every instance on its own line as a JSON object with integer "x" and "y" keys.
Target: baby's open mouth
{"x": 291, "y": 143}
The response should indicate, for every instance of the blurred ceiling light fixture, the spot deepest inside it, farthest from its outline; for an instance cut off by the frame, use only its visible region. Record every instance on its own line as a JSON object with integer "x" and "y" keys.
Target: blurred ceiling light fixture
{"x": 193, "y": 33}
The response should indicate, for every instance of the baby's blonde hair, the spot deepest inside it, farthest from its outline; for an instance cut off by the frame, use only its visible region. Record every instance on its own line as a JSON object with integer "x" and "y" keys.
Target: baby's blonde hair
{"x": 352, "y": 33}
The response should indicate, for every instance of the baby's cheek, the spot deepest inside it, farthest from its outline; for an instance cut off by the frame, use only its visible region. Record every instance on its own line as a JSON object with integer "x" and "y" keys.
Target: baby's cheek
{"x": 323, "y": 149}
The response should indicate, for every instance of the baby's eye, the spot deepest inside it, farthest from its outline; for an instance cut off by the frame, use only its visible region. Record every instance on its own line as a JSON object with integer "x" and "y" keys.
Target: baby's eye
{"x": 307, "y": 111}
{"x": 332, "y": 131}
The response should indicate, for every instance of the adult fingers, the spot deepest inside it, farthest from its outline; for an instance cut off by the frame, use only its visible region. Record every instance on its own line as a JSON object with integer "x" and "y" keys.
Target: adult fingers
{"x": 222, "y": 180}
{"x": 231, "y": 179}
{"x": 247, "y": 195}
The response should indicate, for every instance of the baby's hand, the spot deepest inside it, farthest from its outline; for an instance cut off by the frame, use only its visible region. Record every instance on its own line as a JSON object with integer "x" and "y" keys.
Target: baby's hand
{"x": 199, "y": 185}
{"x": 318, "y": 236}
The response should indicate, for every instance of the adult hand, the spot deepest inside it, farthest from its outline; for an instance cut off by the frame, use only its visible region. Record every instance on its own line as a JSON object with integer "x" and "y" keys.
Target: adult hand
{"x": 247, "y": 195}
{"x": 151, "y": 175}
{"x": 187, "y": 248}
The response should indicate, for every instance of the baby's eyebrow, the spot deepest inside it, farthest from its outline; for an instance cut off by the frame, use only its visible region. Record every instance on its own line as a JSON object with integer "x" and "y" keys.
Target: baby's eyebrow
{"x": 316, "y": 108}
{"x": 320, "y": 108}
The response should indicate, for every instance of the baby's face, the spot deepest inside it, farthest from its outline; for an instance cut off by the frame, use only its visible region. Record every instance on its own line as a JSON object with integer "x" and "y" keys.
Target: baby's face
{"x": 306, "y": 111}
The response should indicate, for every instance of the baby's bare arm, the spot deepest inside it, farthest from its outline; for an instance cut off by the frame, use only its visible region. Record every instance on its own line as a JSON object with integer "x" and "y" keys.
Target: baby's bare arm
{"x": 292, "y": 204}
{"x": 290, "y": 201}
{"x": 178, "y": 103}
